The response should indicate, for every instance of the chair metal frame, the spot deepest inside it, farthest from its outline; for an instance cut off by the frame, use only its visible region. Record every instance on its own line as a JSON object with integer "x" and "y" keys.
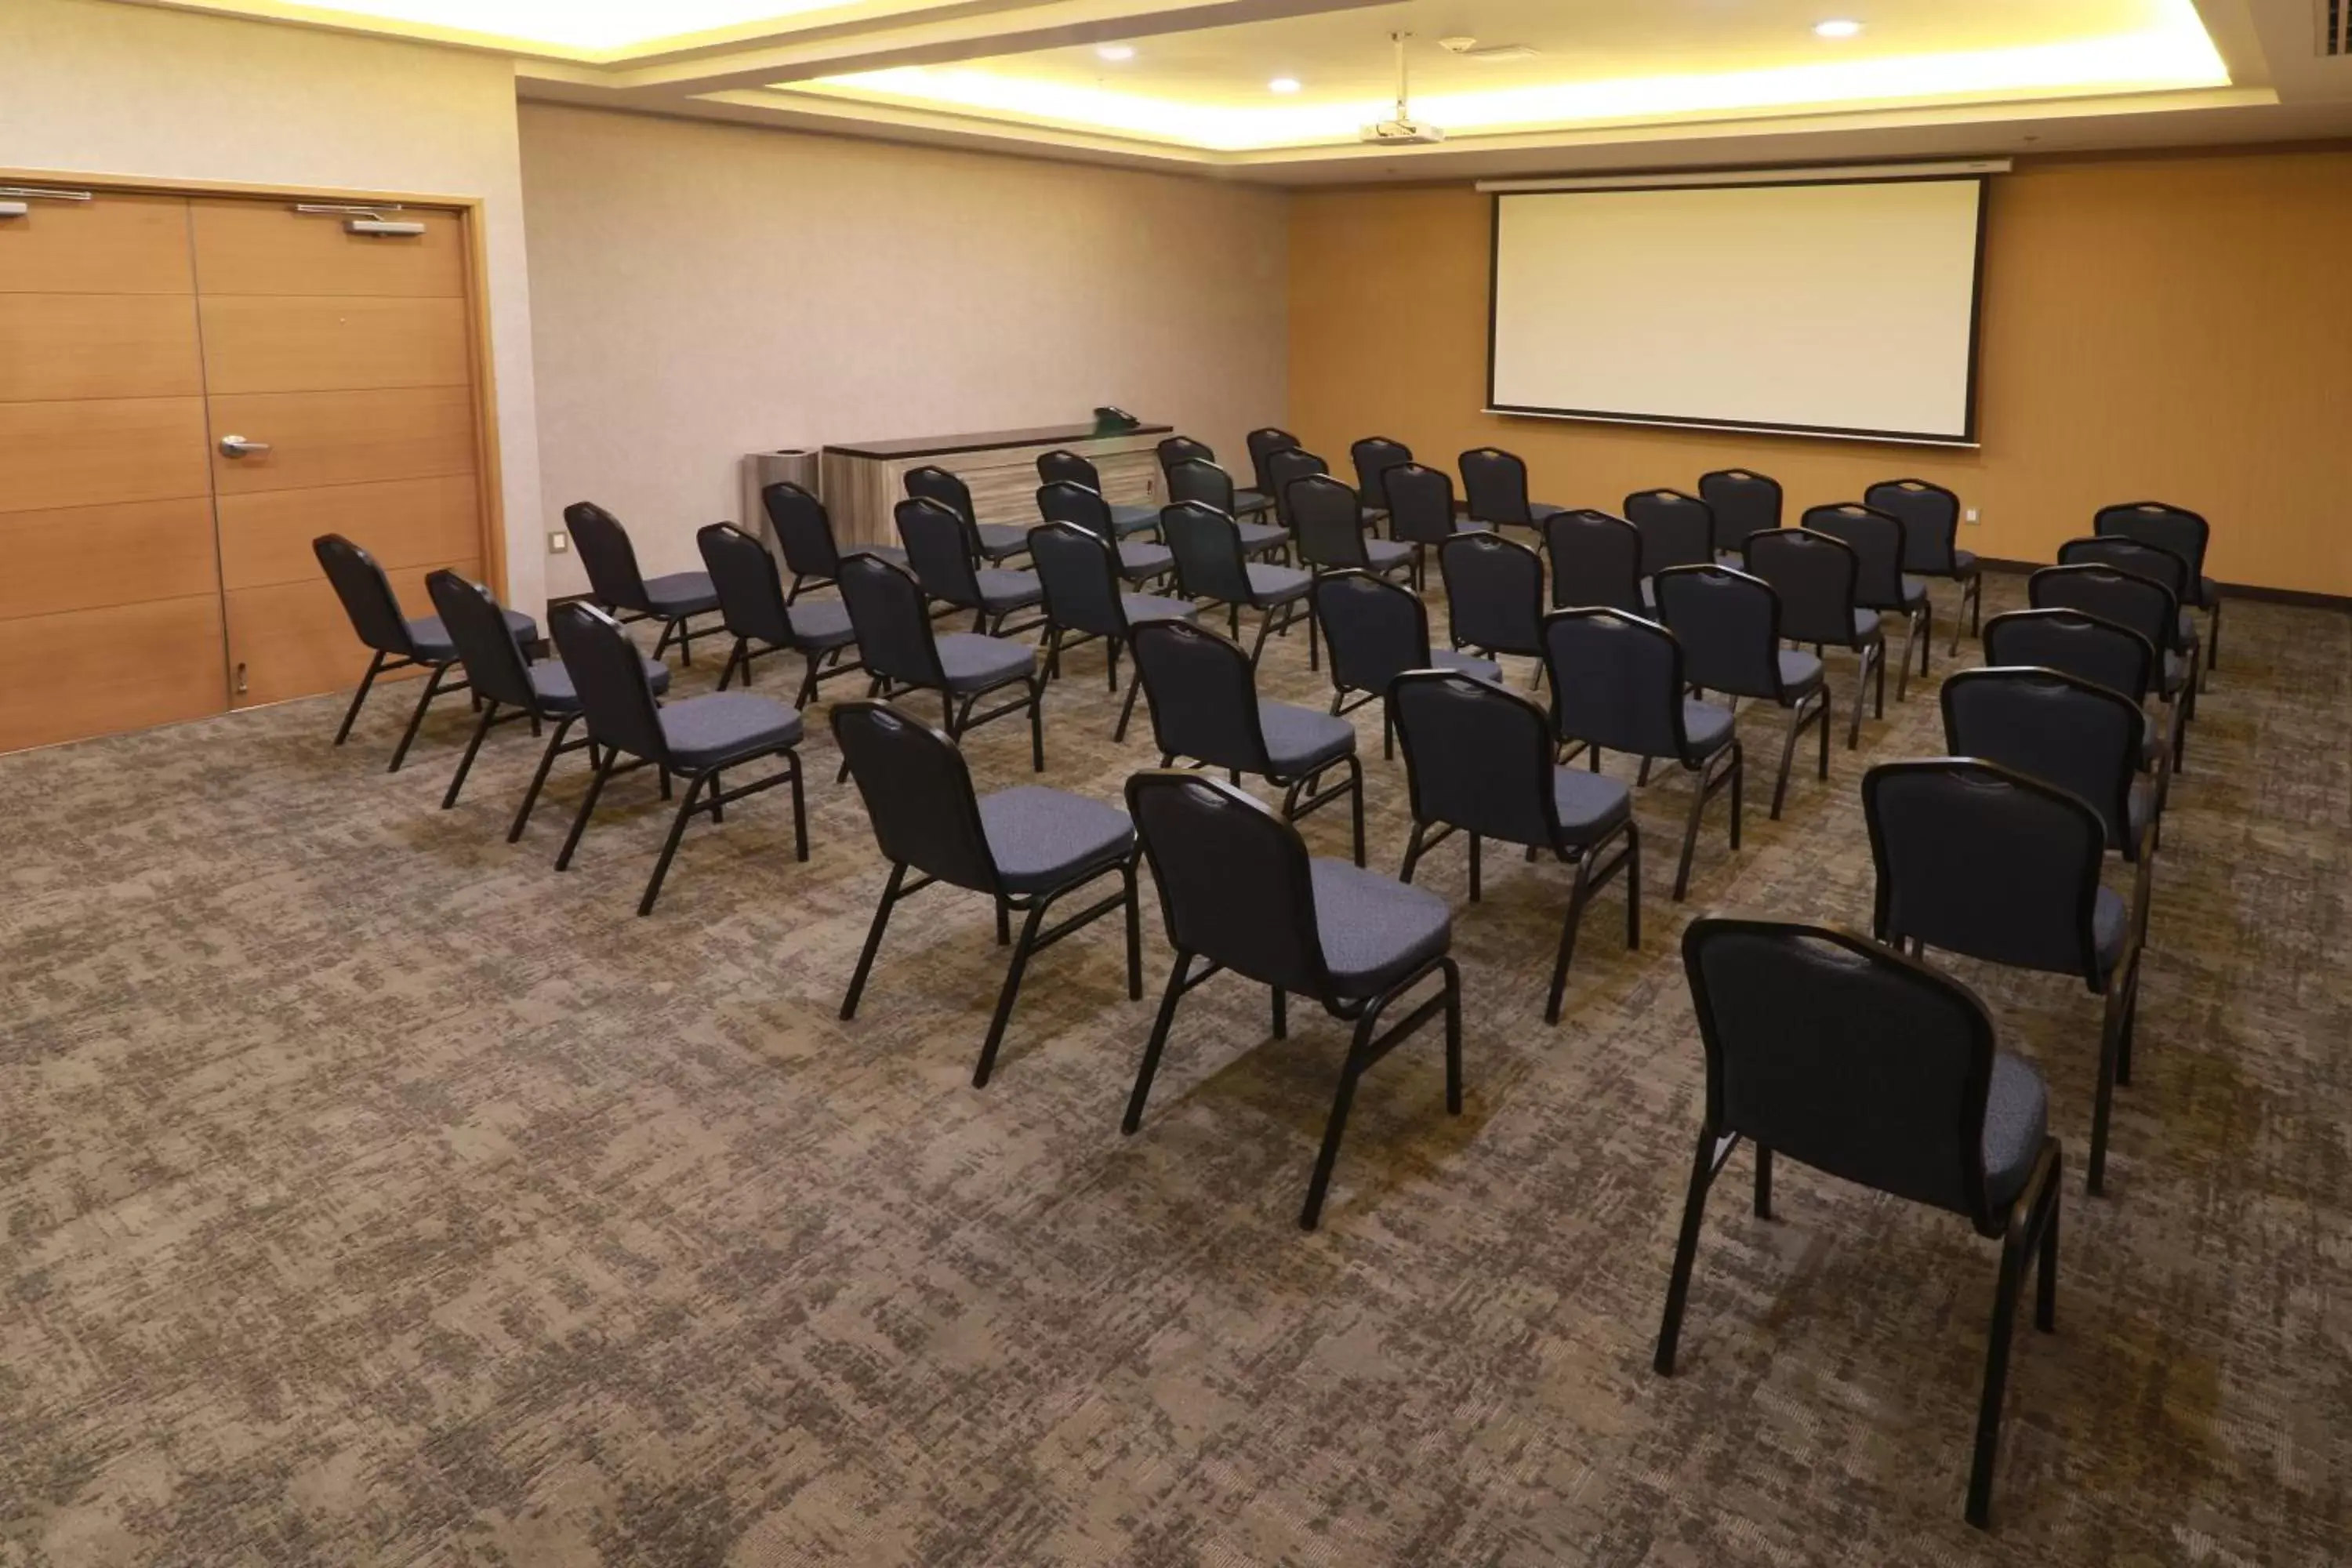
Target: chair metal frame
{"x": 1894, "y": 497}
{"x": 822, "y": 665}
{"x": 1811, "y": 709}
{"x": 675, "y": 628}
{"x": 959, "y": 723}
{"x": 1275, "y": 616}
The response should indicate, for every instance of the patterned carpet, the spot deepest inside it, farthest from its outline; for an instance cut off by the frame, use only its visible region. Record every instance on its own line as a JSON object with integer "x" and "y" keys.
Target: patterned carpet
{"x": 374, "y": 1195}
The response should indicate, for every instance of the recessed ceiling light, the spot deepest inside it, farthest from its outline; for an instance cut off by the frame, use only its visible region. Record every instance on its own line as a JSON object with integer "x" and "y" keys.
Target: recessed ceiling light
{"x": 1116, "y": 51}
{"x": 1283, "y": 84}
{"x": 1837, "y": 28}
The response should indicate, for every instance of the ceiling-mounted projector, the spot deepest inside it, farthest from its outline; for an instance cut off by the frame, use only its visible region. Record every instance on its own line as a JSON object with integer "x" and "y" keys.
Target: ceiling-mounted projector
{"x": 1403, "y": 131}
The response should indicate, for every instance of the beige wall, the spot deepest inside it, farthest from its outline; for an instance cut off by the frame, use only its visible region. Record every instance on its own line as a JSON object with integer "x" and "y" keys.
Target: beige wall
{"x": 2173, "y": 327}
{"x": 704, "y": 290}
{"x": 126, "y": 91}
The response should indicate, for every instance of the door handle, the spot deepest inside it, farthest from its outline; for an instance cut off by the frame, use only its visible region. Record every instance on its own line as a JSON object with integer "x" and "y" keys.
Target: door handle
{"x": 238, "y": 447}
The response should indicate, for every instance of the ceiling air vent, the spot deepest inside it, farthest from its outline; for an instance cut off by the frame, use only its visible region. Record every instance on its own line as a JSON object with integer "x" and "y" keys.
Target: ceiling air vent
{"x": 2335, "y": 19}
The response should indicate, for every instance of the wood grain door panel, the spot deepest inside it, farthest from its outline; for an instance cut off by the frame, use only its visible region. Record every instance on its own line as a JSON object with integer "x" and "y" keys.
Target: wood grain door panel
{"x": 264, "y": 248}
{"x": 121, "y": 667}
{"x": 87, "y": 557}
{"x": 344, "y": 437}
{"x": 294, "y": 640}
{"x": 112, "y": 245}
{"x": 101, "y": 452}
{"x": 63, "y": 346}
{"x": 265, "y": 537}
{"x": 263, "y": 343}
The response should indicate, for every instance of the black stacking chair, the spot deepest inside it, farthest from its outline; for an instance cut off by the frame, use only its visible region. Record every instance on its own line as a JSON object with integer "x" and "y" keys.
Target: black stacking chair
{"x": 501, "y": 679}
{"x": 1378, "y": 630}
{"x": 699, "y": 738}
{"x": 1596, "y": 560}
{"x": 2068, "y": 732}
{"x": 1205, "y": 484}
{"x": 1178, "y": 450}
{"x": 1880, "y": 584}
{"x": 1062, "y": 467}
{"x": 1931, "y": 529}
{"x": 1421, "y": 513}
{"x": 803, "y": 531}
{"x": 1080, "y": 506}
{"x": 1263, "y": 444}
{"x": 1373, "y": 457}
{"x": 2153, "y": 561}
{"x": 1206, "y": 706}
{"x": 1494, "y": 490}
{"x": 944, "y": 555}
{"x": 1618, "y": 684}
{"x": 1479, "y": 760}
{"x": 2089, "y": 649}
{"x": 1866, "y": 1067}
{"x": 1744, "y": 502}
{"x": 1286, "y": 466}
{"x": 2140, "y": 605}
{"x": 1329, "y": 521}
{"x": 616, "y": 585}
{"x": 1083, "y": 602}
{"x": 1238, "y": 889}
{"x": 1026, "y": 847}
{"x": 1729, "y": 626}
{"x": 1211, "y": 564}
{"x": 1675, "y": 529}
{"x": 997, "y": 542}
{"x": 1981, "y": 859}
{"x": 394, "y": 642}
{"x": 2184, "y": 534}
{"x": 903, "y": 653}
{"x": 1814, "y": 575}
{"x": 760, "y": 617}
{"x": 1493, "y": 596}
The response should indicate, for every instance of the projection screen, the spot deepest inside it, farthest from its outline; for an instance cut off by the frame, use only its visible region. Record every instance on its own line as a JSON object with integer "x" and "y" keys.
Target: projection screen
{"x": 1845, "y": 310}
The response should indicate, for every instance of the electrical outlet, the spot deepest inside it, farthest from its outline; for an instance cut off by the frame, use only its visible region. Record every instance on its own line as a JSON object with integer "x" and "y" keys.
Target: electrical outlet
{"x": 1971, "y": 516}
{"x": 558, "y": 543}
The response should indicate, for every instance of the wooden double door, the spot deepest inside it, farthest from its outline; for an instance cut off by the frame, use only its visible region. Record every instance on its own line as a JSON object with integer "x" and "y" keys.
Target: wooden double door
{"x": 191, "y": 390}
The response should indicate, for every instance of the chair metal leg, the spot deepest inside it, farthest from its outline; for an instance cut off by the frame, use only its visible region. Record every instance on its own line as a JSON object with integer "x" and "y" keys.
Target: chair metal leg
{"x": 587, "y": 807}
{"x": 538, "y": 779}
{"x": 1996, "y": 1384}
{"x": 1412, "y": 845}
{"x": 359, "y": 697}
{"x": 1004, "y": 996}
{"x": 1903, "y": 677}
{"x": 1690, "y": 829}
{"x": 873, "y": 939}
{"x": 1788, "y": 751}
{"x": 1474, "y": 869}
{"x": 466, "y": 762}
{"x": 676, "y": 830}
{"x": 1264, "y": 624}
{"x": 1037, "y": 723}
{"x": 1577, "y": 897}
{"x": 1861, "y": 699}
{"x": 1341, "y": 1099}
{"x": 737, "y": 659}
{"x": 408, "y": 737}
{"x": 1704, "y": 1165}
{"x": 1356, "y": 804}
{"x": 1127, "y": 710}
{"x": 1764, "y": 1169}
{"x": 2115, "y": 1034}
{"x": 2212, "y": 639}
{"x": 1281, "y": 1010}
{"x": 1134, "y": 935}
{"x": 1159, "y": 1042}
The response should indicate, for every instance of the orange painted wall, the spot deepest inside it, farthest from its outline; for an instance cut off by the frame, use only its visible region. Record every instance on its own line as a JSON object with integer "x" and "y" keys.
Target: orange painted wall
{"x": 2175, "y": 327}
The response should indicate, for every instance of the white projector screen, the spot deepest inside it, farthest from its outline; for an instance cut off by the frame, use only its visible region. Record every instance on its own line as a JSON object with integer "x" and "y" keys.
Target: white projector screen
{"x": 1840, "y": 309}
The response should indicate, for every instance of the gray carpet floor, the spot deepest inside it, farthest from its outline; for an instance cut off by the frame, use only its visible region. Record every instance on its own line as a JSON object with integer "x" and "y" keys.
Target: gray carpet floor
{"x": 375, "y": 1195}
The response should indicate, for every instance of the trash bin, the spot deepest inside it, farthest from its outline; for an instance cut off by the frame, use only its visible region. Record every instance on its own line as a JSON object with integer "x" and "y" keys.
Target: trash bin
{"x": 791, "y": 465}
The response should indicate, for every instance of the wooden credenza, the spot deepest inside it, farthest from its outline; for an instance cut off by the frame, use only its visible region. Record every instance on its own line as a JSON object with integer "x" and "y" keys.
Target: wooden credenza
{"x": 864, "y": 480}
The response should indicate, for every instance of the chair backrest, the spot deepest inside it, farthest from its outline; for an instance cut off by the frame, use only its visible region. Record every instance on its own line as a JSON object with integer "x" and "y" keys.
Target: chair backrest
{"x": 750, "y": 591}
{"x": 1175, "y": 449}
{"x": 803, "y": 529}
{"x": 1833, "y": 1050}
{"x": 1494, "y": 593}
{"x": 1876, "y": 539}
{"x": 1080, "y": 573}
{"x": 1203, "y": 693}
{"x": 1199, "y": 479}
{"x": 1596, "y": 559}
{"x": 2126, "y": 553}
{"x": 1062, "y": 466}
{"x": 608, "y": 674}
{"x": 366, "y": 593}
{"x": 1420, "y": 503}
{"x": 2051, "y": 726}
{"x": 892, "y": 623}
{"x": 1263, "y": 444}
{"x": 1815, "y": 577}
{"x": 1930, "y": 515}
{"x": 1236, "y": 884}
{"x": 1676, "y": 530}
{"x": 614, "y": 580}
{"x": 1377, "y": 629}
{"x": 941, "y": 551}
{"x": 2085, "y": 646}
{"x": 1080, "y": 506}
{"x": 1476, "y": 756}
{"x": 2125, "y": 598}
{"x": 918, "y": 793}
{"x": 1729, "y": 626}
{"x": 1286, "y": 467}
{"x": 1329, "y": 521}
{"x": 1494, "y": 486}
{"x": 1373, "y": 457}
{"x": 1617, "y": 682}
{"x": 485, "y": 643}
{"x": 1744, "y": 502}
{"x": 1979, "y": 859}
{"x": 2167, "y": 527}
{"x": 931, "y": 483}
{"x": 1207, "y": 547}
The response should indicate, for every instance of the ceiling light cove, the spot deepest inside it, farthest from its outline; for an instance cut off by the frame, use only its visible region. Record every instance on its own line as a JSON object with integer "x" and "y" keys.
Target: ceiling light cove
{"x": 1115, "y": 53}
{"x": 1283, "y": 84}
{"x": 1838, "y": 28}
{"x": 588, "y": 30}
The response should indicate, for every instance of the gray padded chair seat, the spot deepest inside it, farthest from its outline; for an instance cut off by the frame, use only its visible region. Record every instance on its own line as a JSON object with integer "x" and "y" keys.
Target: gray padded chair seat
{"x": 1914, "y": 589}
{"x": 1003, "y": 540}
{"x": 704, "y": 732}
{"x": 551, "y": 684}
{"x": 1251, "y": 500}
{"x": 2208, "y": 590}
{"x": 2175, "y": 670}
{"x": 1042, "y": 839}
{"x": 822, "y": 624}
{"x": 2016, "y": 1117}
{"x": 1468, "y": 664}
{"x": 1800, "y": 671}
{"x": 1139, "y": 562}
{"x": 976, "y": 663}
{"x": 1300, "y": 739}
{"x": 1258, "y": 536}
{"x": 893, "y": 553}
{"x": 432, "y": 639}
{"x": 1000, "y": 590}
{"x": 2110, "y": 927}
{"x": 1589, "y": 803}
{"x": 2141, "y": 806}
{"x": 1374, "y": 929}
{"x": 1387, "y": 554}
{"x": 1153, "y": 607}
{"x": 1278, "y": 584}
{"x": 681, "y": 593}
{"x": 1540, "y": 510}
{"x": 1865, "y": 625}
{"x": 1964, "y": 562}
{"x": 1707, "y": 727}
{"x": 1126, "y": 519}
